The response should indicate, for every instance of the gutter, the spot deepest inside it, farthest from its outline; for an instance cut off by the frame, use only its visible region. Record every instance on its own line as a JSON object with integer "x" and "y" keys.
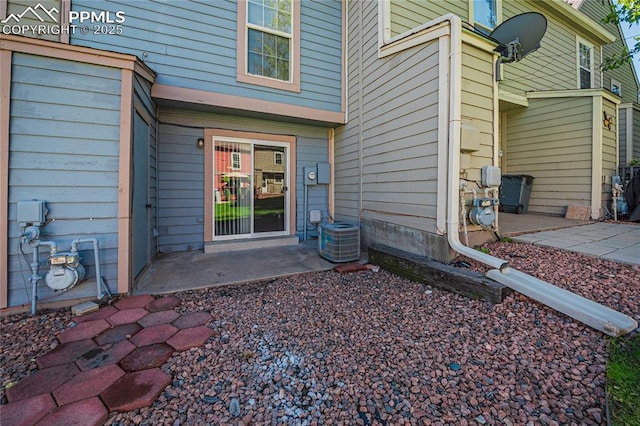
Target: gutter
{"x": 587, "y": 311}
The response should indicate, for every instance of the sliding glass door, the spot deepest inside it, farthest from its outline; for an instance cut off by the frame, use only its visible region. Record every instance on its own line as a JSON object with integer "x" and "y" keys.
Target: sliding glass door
{"x": 250, "y": 188}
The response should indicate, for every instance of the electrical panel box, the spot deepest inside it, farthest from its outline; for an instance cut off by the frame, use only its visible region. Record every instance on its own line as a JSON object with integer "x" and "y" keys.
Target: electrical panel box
{"x": 315, "y": 216}
{"x": 310, "y": 176}
{"x": 31, "y": 213}
{"x": 490, "y": 176}
{"x": 324, "y": 173}
{"x": 470, "y": 136}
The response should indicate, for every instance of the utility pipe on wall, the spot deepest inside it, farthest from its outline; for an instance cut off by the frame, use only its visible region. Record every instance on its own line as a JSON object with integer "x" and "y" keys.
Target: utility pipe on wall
{"x": 100, "y": 285}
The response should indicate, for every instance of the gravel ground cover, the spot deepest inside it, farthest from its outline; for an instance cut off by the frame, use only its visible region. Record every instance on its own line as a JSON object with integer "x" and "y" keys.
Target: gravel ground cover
{"x": 373, "y": 348}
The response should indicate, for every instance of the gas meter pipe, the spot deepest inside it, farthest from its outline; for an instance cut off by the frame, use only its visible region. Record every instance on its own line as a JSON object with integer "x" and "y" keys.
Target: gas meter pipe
{"x": 100, "y": 285}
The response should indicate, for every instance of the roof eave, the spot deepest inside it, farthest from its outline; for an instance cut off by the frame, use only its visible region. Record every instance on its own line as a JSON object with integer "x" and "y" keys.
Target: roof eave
{"x": 562, "y": 9}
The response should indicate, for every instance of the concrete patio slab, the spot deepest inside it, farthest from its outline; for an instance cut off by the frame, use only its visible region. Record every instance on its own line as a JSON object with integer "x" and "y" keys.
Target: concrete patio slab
{"x": 135, "y": 390}
{"x": 42, "y": 381}
{"x": 192, "y": 270}
{"x": 87, "y": 384}
{"x": 618, "y": 242}
{"x": 65, "y": 353}
{"x": 624, "y": 256}
{"x": 27, "y": 412}
{"x": 88, "y": 412}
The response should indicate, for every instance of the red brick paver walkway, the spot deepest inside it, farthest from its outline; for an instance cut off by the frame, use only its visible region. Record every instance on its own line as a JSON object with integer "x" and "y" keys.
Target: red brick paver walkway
{"x": 102, "y": 362}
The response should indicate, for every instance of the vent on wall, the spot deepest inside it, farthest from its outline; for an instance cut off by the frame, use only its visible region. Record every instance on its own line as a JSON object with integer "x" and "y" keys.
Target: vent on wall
{"x": 339, "y": 242}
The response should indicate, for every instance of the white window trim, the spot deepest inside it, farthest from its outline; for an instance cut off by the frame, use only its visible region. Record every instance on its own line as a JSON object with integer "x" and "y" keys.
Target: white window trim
{"x": 472, "y": 18}
{"x": 580, "y": 41}
{"x": 275, "y": 158}
{"x": 615, "y": 82}
{"x": 243, "y": 76}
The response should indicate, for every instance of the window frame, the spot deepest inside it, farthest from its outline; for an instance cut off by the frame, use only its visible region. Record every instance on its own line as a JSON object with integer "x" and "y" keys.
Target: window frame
{"x": 242, "y": 74}
{"x": 277, "y": 156}
{"x": 580, "y": 41}
{"x": 472, "y": 17}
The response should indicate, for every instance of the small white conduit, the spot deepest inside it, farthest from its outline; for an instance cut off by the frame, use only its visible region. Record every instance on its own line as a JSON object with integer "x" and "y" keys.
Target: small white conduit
{"x": 584, "y": 310}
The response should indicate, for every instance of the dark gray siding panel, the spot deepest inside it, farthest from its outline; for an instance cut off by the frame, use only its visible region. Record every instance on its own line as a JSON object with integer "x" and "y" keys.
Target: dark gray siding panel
{"x": 180, "y": 189}
{"x": 64, "y": 148}
{"x": 142, "y": 90}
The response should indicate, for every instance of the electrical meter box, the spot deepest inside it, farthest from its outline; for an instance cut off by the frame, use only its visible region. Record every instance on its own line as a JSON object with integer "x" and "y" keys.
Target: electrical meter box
{"x": 31, "y": 213}
{"x": 491, "y": 176}
{"x": 310, "y": 176}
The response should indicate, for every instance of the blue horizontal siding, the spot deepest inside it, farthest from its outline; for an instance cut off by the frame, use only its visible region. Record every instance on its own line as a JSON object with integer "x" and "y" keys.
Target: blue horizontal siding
{"x": 192, "y": 44}
{"x": 64, "y": 148}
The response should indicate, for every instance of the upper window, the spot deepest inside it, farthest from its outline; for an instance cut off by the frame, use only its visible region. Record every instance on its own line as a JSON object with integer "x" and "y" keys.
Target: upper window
{"x": 269, "y": 38}
{"x": 585, "y": 65}
{"x": 616, "y": 87}
{"x": 485, "y": 13}
{"x": 268, "y": 43}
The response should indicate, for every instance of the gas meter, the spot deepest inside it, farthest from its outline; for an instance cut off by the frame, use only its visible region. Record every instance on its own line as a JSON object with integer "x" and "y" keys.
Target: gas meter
{"x": 482, "y": 211}
{"x": 65, "y": 271}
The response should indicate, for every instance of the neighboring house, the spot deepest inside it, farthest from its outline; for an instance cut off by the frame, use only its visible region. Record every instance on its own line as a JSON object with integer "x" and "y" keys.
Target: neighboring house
{"x": 622, "y": 81}
{"x": 426, "y": 114}
{"x": 118, "y": 121}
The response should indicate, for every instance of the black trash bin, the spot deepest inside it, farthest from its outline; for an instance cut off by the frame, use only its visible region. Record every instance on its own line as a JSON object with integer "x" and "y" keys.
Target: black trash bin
{"x": 515, "y": 192}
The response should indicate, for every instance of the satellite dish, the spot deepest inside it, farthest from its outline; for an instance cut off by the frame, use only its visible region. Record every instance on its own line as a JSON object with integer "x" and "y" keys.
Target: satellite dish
{"x": 518, "y": 36}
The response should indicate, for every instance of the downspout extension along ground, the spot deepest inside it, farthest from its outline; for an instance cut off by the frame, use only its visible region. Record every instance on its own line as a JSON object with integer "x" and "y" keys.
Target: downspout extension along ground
{"x": 593, "y": 314}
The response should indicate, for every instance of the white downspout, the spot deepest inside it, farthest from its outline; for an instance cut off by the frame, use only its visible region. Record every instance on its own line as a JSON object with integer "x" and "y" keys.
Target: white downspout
{"x": 455, "y": 120}
{"x": 587, "y": 311}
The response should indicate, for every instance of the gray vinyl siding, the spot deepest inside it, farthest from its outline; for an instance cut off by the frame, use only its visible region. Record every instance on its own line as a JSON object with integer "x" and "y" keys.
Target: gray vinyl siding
{"x": 389, "y": 147}
{"x": 346, "y": 148}
{"x": 142, "y": 91}
{"x": 551, "y": 140}
{"x": 180, "y": 189}
{"x": 192, "y": 44}
{"x": 554, "y": 65}
{"x": 311, "y": 149}
{"x": 20, "y": 6}
{"x": 64, "y": 149}
{"x": 181, "y": 172}
{"x": 408, "y": 14}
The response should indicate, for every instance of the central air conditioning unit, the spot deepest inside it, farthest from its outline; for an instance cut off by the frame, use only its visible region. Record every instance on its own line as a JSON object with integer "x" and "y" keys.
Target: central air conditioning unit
{"x": 339, "y": 242}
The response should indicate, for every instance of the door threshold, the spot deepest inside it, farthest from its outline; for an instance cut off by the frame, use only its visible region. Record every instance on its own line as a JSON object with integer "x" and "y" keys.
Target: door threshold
{"x": 250, "y": 243}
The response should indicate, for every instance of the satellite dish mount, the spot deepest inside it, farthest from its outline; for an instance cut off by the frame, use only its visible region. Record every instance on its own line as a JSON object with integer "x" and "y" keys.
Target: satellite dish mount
{"x": 517, "y": 37}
